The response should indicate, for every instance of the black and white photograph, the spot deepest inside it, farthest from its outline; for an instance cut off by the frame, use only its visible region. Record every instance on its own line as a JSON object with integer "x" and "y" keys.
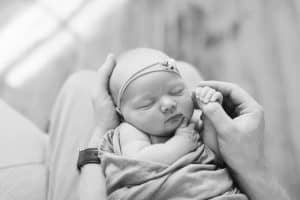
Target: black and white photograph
{"x": 149, "y": 99}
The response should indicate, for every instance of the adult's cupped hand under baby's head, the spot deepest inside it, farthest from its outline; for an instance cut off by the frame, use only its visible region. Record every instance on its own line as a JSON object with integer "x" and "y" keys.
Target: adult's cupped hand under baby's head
{"x": 104, "y": 110}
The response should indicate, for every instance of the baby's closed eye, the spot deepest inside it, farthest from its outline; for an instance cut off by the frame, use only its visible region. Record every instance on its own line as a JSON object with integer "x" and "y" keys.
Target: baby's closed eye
{"x": 177, "y": 90}
{"x": 146, "y": 104}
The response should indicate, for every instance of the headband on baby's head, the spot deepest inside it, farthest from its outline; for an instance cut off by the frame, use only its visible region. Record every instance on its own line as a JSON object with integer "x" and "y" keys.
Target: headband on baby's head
{"x": 168, "y": 65}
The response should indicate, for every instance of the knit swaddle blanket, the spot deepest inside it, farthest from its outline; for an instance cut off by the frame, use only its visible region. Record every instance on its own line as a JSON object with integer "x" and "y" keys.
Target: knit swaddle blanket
{"x": 193, "y": 176}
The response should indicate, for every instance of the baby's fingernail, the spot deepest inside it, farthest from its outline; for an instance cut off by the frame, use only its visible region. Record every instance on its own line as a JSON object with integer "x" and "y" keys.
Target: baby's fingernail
{"x": 110, "y": 58}
{"x": 203, "y": 100}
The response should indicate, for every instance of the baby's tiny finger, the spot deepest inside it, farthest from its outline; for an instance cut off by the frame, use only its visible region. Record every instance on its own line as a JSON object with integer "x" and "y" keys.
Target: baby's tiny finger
{"x": 217, "y": 97}
{"x": 184, "y": 122}
{"x": 196, "y": 136}
{"x": 199, "y": 124}
{"x": 192, "y": 125}
{"x": 209, "y": 94}
{"x": 198, "y": 92}
{"x": 204, "y": 91}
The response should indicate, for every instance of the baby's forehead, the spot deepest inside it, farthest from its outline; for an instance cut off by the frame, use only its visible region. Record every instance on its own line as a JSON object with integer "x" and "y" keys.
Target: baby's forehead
{"x": 131, "y": 62}
{"x": 134, "y": 60}
{"x": 156, "y": 81}
{"x": 152, "y": 86}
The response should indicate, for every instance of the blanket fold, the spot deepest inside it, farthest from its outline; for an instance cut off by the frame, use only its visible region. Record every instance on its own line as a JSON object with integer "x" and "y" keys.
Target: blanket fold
{"x": 193, "y": 176}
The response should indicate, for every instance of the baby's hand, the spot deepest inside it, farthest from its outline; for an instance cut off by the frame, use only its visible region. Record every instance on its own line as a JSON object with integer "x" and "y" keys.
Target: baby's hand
{"x": 205, "y": 95}
{"x": 188, "y": 134}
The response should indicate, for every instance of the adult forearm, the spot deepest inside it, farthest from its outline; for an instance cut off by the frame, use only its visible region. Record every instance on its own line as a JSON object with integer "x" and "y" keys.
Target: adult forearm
{"x": 260, "y": 185}
{"x": 92, "y": 183}
{"x": 210, "y": 139}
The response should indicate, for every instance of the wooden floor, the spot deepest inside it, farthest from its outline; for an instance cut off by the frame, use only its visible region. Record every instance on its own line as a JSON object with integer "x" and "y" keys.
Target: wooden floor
{"x": 255, "y": 44}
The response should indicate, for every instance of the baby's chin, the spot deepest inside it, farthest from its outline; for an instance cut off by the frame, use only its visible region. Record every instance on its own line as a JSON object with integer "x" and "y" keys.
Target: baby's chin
{"x": 167, "y": 134}
{"x": 168, "y": 131}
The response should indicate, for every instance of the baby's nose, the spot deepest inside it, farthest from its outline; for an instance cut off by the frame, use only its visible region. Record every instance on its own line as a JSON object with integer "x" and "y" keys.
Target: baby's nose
{"x": 168, "y": 105}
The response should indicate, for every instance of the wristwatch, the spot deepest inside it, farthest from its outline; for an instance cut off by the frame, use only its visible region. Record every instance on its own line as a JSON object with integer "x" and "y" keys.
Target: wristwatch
{"x": 86, "y": 156}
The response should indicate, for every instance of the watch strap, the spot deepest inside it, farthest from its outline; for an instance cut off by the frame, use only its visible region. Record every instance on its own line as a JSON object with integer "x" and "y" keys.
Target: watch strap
{"x": 87, "y": 156}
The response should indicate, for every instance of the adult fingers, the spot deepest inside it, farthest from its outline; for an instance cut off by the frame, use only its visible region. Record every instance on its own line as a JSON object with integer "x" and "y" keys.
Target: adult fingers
{"x": 218, "y": 117}
{"x": 103, "y": 75}
{"x": 237, "y": 95}
{"x": 106, "y": 69}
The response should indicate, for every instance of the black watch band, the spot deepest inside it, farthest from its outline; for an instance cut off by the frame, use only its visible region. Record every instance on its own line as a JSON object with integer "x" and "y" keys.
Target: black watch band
{"x": 86, "y": 156}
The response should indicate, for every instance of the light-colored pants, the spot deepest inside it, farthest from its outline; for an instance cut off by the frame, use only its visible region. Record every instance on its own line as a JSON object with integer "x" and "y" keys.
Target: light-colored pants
{"x": 35, "y": 165}
{"x": 39, "y": 166}
{"x": 71, "y": 126}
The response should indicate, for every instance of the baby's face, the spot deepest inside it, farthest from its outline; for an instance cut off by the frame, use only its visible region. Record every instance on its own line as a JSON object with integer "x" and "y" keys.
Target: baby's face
{"x": 156, "y": 103}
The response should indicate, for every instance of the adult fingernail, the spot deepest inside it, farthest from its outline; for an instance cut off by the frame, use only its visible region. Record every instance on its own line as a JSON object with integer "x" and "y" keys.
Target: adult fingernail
{"x": 109, "y": 57}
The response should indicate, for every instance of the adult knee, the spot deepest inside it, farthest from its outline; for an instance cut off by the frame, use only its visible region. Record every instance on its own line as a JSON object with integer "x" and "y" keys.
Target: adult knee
{"x": 81, "y": 83}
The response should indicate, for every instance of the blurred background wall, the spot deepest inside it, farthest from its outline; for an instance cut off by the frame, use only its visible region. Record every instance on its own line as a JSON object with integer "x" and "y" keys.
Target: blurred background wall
{"x": 255, "y": 44}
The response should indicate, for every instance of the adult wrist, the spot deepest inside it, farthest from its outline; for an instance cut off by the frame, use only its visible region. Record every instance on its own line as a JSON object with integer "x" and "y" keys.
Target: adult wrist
{"x": 252, "y": 179}
{"x": 88, "y": 156}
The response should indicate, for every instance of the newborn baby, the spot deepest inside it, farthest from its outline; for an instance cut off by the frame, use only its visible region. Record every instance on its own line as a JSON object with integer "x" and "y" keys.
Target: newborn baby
{"x": 156, "y": 152}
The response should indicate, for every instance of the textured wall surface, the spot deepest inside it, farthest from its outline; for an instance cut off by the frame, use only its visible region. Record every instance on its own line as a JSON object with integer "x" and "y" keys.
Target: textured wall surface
{"x": 252, "y": 43}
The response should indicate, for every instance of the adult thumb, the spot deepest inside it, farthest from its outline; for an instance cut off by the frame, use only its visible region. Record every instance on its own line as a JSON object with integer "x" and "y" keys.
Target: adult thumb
{"x": 218, "y": 117}
{"x": 106, "y": 69}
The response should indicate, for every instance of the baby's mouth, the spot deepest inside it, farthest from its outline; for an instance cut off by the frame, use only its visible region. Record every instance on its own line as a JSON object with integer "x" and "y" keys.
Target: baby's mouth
{"x": 175, "y": 118}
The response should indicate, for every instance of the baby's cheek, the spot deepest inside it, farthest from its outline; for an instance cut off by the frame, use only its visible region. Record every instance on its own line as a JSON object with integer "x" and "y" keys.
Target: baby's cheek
{"x": 187, "y": 106}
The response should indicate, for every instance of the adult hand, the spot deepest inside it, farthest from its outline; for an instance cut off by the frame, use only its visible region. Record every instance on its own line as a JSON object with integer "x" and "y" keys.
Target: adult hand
{"x": 92, "y": 182}
{"x": 188, "y": 133}
{"x": 240, "y": 134}
{"x": 105, "y": 113}
{"x": 241, "y": 129}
